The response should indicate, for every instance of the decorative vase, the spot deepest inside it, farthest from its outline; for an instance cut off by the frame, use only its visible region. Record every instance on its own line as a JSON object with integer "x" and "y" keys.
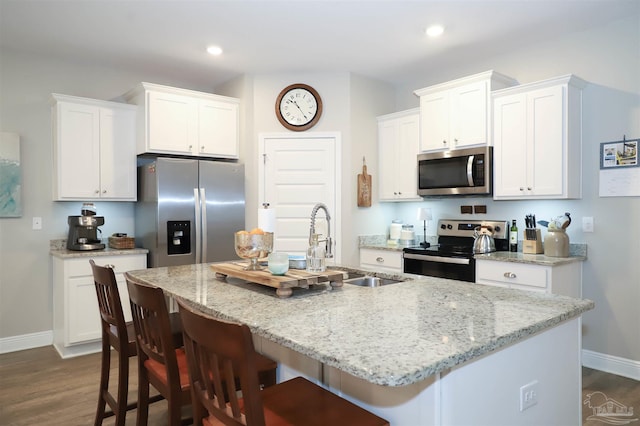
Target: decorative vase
{"x": 556, "y": 243}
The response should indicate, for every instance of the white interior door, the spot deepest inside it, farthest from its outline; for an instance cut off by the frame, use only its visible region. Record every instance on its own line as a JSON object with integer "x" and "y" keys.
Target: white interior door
{"x": 299, "y": 171}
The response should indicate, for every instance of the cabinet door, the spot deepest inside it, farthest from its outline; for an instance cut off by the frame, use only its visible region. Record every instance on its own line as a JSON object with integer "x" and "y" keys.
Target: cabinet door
{"x": 546, "y": 144}
{"x": 218, "y": 128}
{"x": 77, "y": 147}
{"x": 83, "y": 316}
{"x": 469, "y": 115}
{"x": 387, "y": 131}
{"x": 510, "y": 146}
{"x": 117, "y": 154}
{"x": 406, "y": 157}
{"x": 173, "y": 126}
{"x": 381, "y": 260}
{"x": 434, "y": 121}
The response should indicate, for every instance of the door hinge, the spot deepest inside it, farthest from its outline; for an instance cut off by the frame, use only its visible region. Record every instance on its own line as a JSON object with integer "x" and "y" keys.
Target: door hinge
{"x": 264, "y": 158}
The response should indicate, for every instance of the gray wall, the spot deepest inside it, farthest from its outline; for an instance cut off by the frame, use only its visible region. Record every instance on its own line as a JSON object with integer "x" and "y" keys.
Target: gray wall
{"x": 608, "y": 57}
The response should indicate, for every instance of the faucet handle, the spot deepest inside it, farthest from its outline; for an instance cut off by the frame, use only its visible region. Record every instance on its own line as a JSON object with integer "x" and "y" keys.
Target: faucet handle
{"x": 328, "y": 252}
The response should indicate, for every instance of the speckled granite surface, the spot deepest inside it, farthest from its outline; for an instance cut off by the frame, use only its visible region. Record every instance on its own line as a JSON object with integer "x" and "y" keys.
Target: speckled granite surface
{"x": 379, "y": 242}
{"x": 577, "y": 252}
{"x": 392, "y": 335}
{"x": 58, "y": 248}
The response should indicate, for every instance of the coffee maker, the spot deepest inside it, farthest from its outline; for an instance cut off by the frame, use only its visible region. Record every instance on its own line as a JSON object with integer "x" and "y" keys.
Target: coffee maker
{"x": 83, "y": 230}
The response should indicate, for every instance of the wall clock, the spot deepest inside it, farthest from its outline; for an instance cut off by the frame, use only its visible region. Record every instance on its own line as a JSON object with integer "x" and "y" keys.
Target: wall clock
{"x": 298, "y": 107}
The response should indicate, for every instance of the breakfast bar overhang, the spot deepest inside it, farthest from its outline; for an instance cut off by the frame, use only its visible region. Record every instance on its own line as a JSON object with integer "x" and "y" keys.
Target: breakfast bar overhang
{"x": 429, "y": 351}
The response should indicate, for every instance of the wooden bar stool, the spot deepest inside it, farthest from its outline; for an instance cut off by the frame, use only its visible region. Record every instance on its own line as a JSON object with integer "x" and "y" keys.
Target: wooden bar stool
{"x": 160, "y": 363}
{"x": 119, "y": 335}
{"x": 211, "y": 343}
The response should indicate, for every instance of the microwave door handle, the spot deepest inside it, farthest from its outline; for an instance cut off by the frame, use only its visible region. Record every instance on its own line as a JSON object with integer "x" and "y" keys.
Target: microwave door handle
{"x": 470, "y": 170}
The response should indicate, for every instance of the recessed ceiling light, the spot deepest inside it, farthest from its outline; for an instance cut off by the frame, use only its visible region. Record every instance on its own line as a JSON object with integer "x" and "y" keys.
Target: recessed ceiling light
{"x": 214, "y": 50}
{"x": 434, "y": 30}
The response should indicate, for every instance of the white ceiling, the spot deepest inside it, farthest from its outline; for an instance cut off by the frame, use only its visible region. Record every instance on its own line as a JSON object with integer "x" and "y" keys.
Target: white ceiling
{"x": 381, "y": 39}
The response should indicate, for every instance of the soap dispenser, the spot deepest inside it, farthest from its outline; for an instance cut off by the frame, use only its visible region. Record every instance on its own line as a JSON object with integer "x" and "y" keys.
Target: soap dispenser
{"x": 316, "y": 255}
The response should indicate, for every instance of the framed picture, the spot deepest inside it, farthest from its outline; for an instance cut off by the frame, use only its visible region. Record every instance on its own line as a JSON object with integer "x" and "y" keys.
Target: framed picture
{"x": 622, "y": 153}
{"x": 10, "y": 175}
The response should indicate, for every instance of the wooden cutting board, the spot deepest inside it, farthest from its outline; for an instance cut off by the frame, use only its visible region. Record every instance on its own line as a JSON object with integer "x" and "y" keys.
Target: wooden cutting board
{"x": 282, "y": 283}
{"x": 364, "y": 187}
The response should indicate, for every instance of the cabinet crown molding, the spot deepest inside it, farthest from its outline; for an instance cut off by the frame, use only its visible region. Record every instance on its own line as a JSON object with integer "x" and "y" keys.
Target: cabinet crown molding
{"x": 487, "y": 75}
{"x": 144, "y": 86}
{"x": 57, "y": 97}
{"x": 569, "y": 79}
{"x": 398, "y": 114}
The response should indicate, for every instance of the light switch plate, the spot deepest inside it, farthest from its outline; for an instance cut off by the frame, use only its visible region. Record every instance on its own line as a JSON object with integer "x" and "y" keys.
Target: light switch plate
{"x": 587, "y": 224}
{"x": 37, "y": 223}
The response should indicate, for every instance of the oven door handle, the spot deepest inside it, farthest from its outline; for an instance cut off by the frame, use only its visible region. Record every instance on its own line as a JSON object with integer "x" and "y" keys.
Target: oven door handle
{"x": 470, "y": 170}
{"x": 442, "y": 259}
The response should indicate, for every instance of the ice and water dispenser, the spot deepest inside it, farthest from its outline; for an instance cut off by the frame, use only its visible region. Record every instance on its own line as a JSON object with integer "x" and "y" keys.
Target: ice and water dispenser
{"x": 178, "y": 237}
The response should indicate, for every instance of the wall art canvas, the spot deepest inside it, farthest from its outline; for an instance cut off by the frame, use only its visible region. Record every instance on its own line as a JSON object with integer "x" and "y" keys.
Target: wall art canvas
{"x": 10, "y": 175}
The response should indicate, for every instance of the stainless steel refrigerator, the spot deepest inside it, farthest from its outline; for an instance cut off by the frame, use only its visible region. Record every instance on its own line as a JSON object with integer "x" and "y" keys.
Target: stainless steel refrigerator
{"x": 188, "y": 210}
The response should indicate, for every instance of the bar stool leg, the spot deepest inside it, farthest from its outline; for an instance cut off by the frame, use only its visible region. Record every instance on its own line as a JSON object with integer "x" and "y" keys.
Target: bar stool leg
{"x": 123, "y": 388}
{"x": 104, "y": 380}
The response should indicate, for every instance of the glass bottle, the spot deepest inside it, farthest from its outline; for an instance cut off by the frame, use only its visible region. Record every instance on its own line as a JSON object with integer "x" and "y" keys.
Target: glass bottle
{"x": 316, "y": 255}
{"x": 513, "y": 237}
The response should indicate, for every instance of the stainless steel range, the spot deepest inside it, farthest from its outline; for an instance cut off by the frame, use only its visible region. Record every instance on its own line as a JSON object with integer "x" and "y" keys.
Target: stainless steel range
{"x": 453, "y": 256}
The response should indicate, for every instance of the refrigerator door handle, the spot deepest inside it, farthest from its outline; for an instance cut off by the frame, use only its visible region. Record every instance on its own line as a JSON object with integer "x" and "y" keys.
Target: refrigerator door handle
{"x": 196, "y": 196}
{"x": 203, "y": 235}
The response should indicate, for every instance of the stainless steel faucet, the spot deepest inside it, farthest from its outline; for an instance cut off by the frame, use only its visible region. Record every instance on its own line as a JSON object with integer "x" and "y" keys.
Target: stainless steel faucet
{"x": 312, "y": 230}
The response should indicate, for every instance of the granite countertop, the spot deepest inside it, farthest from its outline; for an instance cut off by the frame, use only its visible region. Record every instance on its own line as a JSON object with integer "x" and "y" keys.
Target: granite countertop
{"x": 392, "y": 335}
{"x": 577, "y": 252}
{"x": 69, "y": 254}
{"x": 536, "y": 259}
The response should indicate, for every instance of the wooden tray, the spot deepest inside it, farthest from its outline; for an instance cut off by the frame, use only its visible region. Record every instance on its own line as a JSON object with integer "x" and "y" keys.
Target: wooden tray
{"x": 282, "y": 283}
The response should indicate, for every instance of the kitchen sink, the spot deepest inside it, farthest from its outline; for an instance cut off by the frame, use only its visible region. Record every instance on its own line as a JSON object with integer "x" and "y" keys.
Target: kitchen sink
{"x": 367, "y": 281}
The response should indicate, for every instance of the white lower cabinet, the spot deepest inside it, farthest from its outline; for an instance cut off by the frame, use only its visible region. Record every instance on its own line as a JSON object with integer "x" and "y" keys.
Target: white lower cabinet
{"x": 381, "y": 260}
{"x": 564, "y": 279}
{"x": 76, "y": 318}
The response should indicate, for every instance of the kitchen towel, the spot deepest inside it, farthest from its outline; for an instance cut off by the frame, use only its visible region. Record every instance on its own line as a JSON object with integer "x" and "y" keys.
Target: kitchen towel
{"x": 267, "y": 219}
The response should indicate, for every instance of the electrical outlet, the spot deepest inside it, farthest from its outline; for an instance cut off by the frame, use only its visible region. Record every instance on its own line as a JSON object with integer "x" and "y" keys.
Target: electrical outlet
{"x": 37, "y": 223}
{"x": 528, "y": 395}
{"x": 587, "y": 224}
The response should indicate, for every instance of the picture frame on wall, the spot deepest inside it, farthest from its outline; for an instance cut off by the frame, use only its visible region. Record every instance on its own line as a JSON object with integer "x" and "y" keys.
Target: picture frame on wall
{"x": 10, "y": 175}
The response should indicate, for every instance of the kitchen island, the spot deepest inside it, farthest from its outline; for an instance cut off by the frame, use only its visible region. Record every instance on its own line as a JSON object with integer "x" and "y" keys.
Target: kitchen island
{"x": 429, "y": 351}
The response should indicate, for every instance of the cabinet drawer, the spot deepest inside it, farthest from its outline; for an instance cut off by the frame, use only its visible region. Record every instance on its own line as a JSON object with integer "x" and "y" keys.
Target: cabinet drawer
{"x": 382, "y": 258}
{"x": 512, "y": 273}
{"x": 81, "y": 267}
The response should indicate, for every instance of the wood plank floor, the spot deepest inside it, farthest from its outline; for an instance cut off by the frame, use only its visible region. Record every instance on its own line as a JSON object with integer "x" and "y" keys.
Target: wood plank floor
{"x": 38, "y": 387}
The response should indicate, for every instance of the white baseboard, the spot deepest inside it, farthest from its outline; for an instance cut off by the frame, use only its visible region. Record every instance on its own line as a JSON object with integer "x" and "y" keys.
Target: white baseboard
{"x": 611, "y": 364}
{"x": 26, "y": 341}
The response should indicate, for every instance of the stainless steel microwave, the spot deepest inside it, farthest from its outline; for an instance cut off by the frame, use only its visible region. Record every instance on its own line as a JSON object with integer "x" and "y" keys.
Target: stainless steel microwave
{"x": 457, "y": 172}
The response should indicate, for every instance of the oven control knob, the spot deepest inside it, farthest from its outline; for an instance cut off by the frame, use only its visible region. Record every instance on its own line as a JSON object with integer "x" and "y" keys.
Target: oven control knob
{"x": 443, "y": 226}
{"x": 449, "y": 226}
{"x": 497, "y": 229}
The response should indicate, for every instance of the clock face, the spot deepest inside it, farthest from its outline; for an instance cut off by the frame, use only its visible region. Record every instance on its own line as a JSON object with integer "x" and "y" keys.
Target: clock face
{"x": 298, "y": 107}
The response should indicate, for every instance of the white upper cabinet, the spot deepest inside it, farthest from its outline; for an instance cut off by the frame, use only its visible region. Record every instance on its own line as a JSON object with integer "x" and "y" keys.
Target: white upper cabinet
{"x": 457, "y": 114}
{"x": 538, "y": 140}
{"x": 398, "y": 146}
{"x": 93, "y": 149}
{"x": 185, "y": 122}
